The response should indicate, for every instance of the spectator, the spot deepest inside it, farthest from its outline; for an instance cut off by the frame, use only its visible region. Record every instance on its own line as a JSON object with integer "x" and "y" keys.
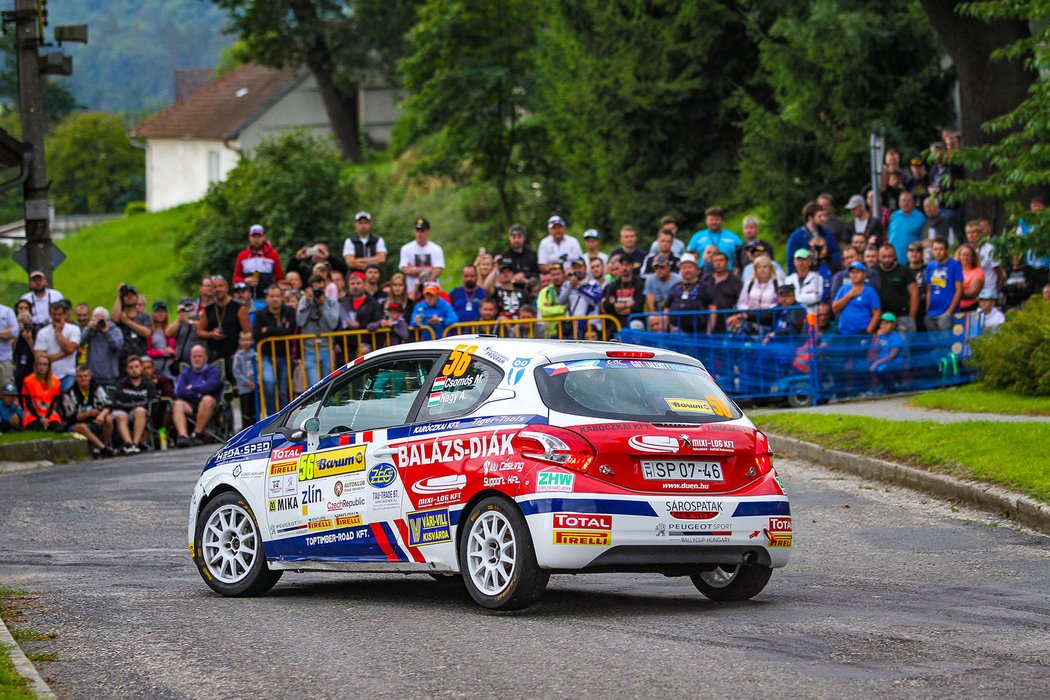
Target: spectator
{"x": 917, "y": 269}
{"x": 161, "y": 347}
{"x": 887, "y": 353}
{"x": 625, "y": 296}
{"x": 221, "y": 323}
{"x": 813, "y": 217}
{"x": 24, "y": 343}
{"x": 1041, "y": 265}
{"x": 196, "y": 393}
{"x": 8, "y": 338}
{"x": 658, "y": 285}
{"x": 357, "y": 310}
{"x": 466, "y": 299}
{"x": 258, "y": 266}
{"x": 433, "y": 311}
{"x": 760, "y": 292}
{"x": 160, "y": 414}
{"x": 892, "y": 188}
{"x": 309, "y": 257}
{"x": 898, "y": 292}
{"x": 809, "y": 286}
{"x": 274, "y": 321}
{"x": 510, "y": 294}
{"x": 1019, "y": 283}
{"x": 664, "y": 243}
{"x": 317, "y": 314}
{"x": 582, "y": 296}
{"x": 527, "y": 330}
{"x": 242, "y": 294}
{"x": 245, "y": 380}
{"x": 859, "y": 243}
{"x": 183, "y": 333}
{"x": 724, "y": 239}
{"x": 612, "y": 270}
{"x": 557, "y": 248}
{"x": 942, "y": 176}
{"x": 204, "y": 296}
{"x": 104, "y": 343}
{"x": 394, "y": 321}
{"x": 547, "y": 301}
{"x": 59, "y": 341}
{"x": 788, "y": 317}
{"x": 131, "y": 403}
{"x": 87, "y": 411}
{"x": 364, "y": 249}
{"x": 751, "y": 243}
{"x": 40, "y": 298}
{"x": 133, "y": 322}
{"x": 294, "y": 281}
{"x": 725, "y": 288}
{"x": 977, "y": 236}
{"x": 973, "y": 277}
{"x": 331, "y": 290}
{"x": 934, "y": 225}
{"x": 884, "y": 213}
{"x": 398, "y": 291}
{"x": 917, "y": 181}
{"x": 871, "y": 261}
{"x": 83, "y": 315}
{"x": 596, "y": 272}
{"x": 628, "y": 249}
{"x": 849, "y": 256}
{"x": 689, "y": 295}
{"x": 753, "y": 250}
{"x": 677, "y": 246}
{"x": 592, "y": 239}
{"x": 10, "y": 409}
{"x": 833, "y": 224}
{"x": 988, "y": 316}
{"x": 421, "y": 255}
{"x": 822, "y": 263}
{"x": 41, "y": 397}
{"x": 523, "y": 259}
{"x": 905, "y": 225}
{"x": 862, "y": 222}
{"x": 372, "y": 274}
{"x": 857, "y": 306}
{"x": 944, "y": 285}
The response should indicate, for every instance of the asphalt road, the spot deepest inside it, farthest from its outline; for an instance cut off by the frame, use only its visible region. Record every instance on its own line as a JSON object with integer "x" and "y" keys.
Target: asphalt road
{"x": 888, "y": 594}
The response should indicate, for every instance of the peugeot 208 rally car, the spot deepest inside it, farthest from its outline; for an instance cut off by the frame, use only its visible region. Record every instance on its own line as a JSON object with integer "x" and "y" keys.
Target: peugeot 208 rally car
{"x": 503, "y": 461}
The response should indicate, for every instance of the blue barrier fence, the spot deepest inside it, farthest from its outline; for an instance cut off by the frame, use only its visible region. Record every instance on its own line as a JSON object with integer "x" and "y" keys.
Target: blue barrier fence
{"x": 779, "y": 354}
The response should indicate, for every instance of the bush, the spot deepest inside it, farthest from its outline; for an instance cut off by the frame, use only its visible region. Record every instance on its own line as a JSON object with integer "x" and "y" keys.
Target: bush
{"x": 134, "y": 208}
{"x": 1017, "y": 356}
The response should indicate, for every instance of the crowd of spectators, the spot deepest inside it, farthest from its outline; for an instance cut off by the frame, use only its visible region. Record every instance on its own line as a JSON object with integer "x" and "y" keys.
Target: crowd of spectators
{"x": 123, "y": 375}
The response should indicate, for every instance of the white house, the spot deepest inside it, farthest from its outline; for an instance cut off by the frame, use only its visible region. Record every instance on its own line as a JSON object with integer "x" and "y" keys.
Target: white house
{"x": 199, "y": 138}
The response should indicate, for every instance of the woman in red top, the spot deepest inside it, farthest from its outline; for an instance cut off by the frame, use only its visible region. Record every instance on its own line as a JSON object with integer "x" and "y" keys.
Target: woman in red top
{"x": 973, "y": 276}
{"x": 41, "y": 393}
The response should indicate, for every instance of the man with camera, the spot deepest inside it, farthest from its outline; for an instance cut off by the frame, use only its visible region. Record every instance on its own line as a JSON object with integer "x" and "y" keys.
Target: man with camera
{"x": 258, "y": 265}
{"x": 183, "y": 328}
{"x": 104, "y": 342}
{"x": 581, "y": 296}
{"x": 132, "y": 320}
{"x": 317, "y": 314}
{"x": 813, "y": 216}
{"x": 309, "y": 255}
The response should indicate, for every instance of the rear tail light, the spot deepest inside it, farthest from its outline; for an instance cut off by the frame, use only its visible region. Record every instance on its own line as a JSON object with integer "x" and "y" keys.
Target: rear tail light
{"x": 559, "y": 446}
{"x": 763, "y": 455}
{"x": 631, "y": 354}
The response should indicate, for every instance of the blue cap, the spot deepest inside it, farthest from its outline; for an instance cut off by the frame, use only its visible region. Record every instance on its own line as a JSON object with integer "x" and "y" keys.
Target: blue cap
{"x": 858, "y": 265}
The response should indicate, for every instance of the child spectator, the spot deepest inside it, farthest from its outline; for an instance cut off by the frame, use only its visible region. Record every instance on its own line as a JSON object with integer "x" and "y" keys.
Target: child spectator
{"x": 394, "y": 321}
{"x": 10, "y": 410}
{"x": 244, "y": 375}
{"x": 888, "y": 351}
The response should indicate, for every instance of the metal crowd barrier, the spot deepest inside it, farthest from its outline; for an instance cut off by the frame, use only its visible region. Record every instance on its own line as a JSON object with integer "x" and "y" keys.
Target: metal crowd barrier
{"x": 596, "y": 327}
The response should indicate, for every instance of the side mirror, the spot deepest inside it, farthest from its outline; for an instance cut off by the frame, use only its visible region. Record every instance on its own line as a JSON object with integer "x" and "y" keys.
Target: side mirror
{"x": 311, "y": 426}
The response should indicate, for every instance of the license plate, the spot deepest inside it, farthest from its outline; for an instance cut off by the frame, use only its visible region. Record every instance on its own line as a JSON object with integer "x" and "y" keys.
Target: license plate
{"x": 680, "y": 470}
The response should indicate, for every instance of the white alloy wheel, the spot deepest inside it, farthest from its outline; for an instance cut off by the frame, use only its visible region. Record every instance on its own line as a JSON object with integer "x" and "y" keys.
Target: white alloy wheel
{"x": 230, "y": 543}
{"x": 491, "y": 553}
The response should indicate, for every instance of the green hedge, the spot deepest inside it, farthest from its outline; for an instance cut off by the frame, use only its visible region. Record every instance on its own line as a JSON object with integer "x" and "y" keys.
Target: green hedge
{"x": 1017, "y": 355}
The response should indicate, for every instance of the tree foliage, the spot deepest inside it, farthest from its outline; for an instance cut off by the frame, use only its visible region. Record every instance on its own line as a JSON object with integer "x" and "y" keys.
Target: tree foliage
{"x": 290, "y": 184}
{"x": 92, "y": 166}
{"x": 1017, "y": 355}
{"x": 829, "y": 73}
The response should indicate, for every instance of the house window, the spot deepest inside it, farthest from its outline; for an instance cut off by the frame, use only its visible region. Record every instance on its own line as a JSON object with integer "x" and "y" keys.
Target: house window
{"x": 213, "y": 166}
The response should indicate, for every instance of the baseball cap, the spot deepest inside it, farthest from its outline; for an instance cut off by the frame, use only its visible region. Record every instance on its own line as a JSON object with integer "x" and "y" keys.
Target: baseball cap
{"x": 579, "y": 261}
{"x": 855, "y": 201}
{"x": 802, "y": 253}
{"x": 858, "y": 265}
{"x": 688, "y": 258}
{"x": 9, "y": 388}
{"x": 918, "y": 161}
{"x": 986, "y": 294}
{"x": 554, "y": 221}
{"x": 786, "y": 289}
{"x": 393, "y": 306}
{"x": 239, "y": 286}
{"x": 591, "y": 233}
{"x": 186, "y": 301}
{"x": 431, "y": 287}
{"x": 516, "y": 230}
{"x": 36, "y": 273}
{"x": 889, "y": 316}
{"x": 506, "y": 262}
{"x": 362, "y": 215}
{"x": 160, "y": 304}
{"x": 256, "y": 230}
{"x": 661, "y": 260}
{"x": 421, "y": 224}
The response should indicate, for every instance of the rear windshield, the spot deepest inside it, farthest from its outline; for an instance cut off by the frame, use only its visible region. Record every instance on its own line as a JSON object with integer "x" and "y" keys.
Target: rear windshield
{"x": 659, "y": 392}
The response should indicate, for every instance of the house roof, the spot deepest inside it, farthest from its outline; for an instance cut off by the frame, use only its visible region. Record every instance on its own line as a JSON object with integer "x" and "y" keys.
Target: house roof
{"x": 223, "y": 108}
{"x": 189, "y": 80}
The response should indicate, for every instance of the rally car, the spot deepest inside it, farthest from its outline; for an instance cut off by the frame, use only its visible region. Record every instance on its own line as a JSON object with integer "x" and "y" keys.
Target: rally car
{"x": 501, "y": 461}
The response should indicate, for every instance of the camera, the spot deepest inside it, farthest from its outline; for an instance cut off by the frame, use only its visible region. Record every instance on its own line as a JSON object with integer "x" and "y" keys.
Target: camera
{"x": 101, "y": 324}
{"x": 312, "y": 251}
{"x": 186, "y": 308}
{"x": 318, "y": 293}
{"x": 571, "y": 275}
{"x": 126, "y": 289}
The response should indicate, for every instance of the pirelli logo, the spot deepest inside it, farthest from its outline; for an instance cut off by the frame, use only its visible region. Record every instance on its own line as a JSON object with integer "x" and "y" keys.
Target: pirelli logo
{"x": 282, "y": 468}
{"x": 347, "y": 520}
{"x": 582, "y": 537}
{"x": 324, "y": 524}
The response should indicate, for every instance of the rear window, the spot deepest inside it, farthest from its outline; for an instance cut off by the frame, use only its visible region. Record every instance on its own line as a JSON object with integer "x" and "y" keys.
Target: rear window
{"x": 659, "y": 392}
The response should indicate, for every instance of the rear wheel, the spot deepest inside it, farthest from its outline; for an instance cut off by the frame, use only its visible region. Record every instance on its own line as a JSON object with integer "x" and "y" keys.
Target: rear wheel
{"x": 497, "y": 557}
{"x": 739, "y": 582}
{"x": 228, "y": 548}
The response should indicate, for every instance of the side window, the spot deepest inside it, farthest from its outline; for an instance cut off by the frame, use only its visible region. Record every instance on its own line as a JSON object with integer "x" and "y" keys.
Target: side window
{"x": 307, "y": 409}
{"x": 378, "y": 397}
{"x": 457, "y": 395}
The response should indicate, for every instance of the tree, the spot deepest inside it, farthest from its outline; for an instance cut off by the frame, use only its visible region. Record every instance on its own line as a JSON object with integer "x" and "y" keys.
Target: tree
{"x": 290, "y": 184}
{"x": 344, "y": 43}
{"x": 58, "y": 100}
{"x": 469, "y": 76}
{"x": 92, "y": 166}
{"x": 829, "y": 73}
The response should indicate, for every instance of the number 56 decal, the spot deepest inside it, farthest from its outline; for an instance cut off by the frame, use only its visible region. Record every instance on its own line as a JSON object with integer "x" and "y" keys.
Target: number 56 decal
{"x": 457, "y": 363}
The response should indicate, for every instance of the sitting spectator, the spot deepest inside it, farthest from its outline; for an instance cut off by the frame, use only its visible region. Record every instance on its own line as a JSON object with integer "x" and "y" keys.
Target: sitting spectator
{"x": 133, "y": 322}
{"x": 274, "y": 321}
{"x": 23, "y": 352}
{"x": 40, "y": 298}
{"x": 244, "y": 376}
{"x": 60, "y": 341}
{"x": 317, "y": 314}
{"x": 973, "y": 277}
{"x": 809, "y": 286}
{"x": 196, "y": 392}
{"x": 689, "y": 297}
{"x": 988, "y": 316}
{"x": 160, "y": 414}
{"x": 394, "y": 321}
{"x": 10, "y": 409}
{"x": 625, "y": 296}
{"x": 131, "y": 402}
{"x": 1019, "y": 283}
{"x": 466, "y": 299}
{"x": 857, "y": 306}
{"x": 658, "y": 284}
{"x": 365, "y": 248}
{"x": 42, "y": 397}
{"x": 87, "y": 411}
{"x": 258, "y": 266}
{"x": 433, "y": 311}
{"x": 887, "y": 353}
{"x": 104, "y": 343}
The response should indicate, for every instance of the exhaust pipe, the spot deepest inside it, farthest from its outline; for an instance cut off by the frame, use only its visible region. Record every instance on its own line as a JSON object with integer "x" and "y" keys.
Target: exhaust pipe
{"x": 750, "y": 558}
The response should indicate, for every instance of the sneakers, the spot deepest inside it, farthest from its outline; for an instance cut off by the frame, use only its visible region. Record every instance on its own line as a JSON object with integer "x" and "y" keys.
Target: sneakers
{"x": 130, "y": 449}
{"x": 183, "y": 441}
{"x": 195, "y": 440}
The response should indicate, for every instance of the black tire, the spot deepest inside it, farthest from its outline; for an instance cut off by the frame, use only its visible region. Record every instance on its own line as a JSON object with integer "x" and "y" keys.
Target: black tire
{"x": 799, "y": 395}
{"x": 492, "y": 583}
{"x": 726, "y": 583}
{"x": 248, "y": 576}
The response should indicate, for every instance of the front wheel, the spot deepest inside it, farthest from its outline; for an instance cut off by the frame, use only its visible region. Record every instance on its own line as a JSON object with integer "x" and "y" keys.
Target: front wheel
{"x": 228, "y": 548}
{"x": 498, "y": 559}
{"x": 740, "y": 582}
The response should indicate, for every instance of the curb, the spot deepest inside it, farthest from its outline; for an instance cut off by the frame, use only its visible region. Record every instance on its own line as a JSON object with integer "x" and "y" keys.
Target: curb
{"x": 57, "y": 451}
{"x": 1015, "y": 506}
{"x": 24, "y": 666}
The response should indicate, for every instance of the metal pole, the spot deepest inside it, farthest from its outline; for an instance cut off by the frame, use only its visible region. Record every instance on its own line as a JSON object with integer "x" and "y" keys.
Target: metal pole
{"x": 31, "y": 108}
{"x": 876, "y": 163}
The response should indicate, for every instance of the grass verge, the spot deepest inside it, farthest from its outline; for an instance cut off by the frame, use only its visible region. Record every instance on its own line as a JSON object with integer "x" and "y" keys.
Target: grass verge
{"x": 975, "y": 398}
{"x": 12, "y": 685}
{"x": 29, "y": 436}
{"x": 1005, "y": 454}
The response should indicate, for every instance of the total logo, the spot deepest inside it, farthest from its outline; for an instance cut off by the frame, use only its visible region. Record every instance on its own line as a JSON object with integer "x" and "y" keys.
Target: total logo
{"x": 583, "y": 522}
{"x": 283, "y": 453}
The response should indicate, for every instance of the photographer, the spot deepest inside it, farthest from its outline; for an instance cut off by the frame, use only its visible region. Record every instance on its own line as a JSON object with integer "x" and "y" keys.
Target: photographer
{"x": 59, "y": 341}
{"x": 133, "y": 322}
{"x": 104, "y": 344}
{"x": 308, "y": 256}
{"x": 317, "y": 314}
{"x": 23, "y": 354}
{"x": 183, "y": 330}
{"x": 581, "y": 296}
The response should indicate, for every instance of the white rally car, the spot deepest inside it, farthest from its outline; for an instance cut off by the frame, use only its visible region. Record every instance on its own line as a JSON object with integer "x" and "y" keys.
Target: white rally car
{"x": 503, "y": 461}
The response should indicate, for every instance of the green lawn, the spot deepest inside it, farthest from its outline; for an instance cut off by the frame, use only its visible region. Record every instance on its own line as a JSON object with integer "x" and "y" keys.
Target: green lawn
{"x": 7, "y": 438}
{"x": 1006, "y": 454}
{"x": 975, "y": 398}
{"x": 12, "y": 685}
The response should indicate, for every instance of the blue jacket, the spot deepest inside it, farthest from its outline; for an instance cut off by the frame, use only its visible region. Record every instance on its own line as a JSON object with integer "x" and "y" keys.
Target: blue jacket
{"x": 193, "y": 384}
{"x": 422, "y": 312}
{"x": 800, "y": 238}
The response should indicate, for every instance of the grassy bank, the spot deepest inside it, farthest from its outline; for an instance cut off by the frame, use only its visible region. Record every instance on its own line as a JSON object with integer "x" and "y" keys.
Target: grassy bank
{"x": 12, "y": 685}
{"x": 975, "y": 398}
{"x": 8, "y": 438}
{"x": 1005, "y": 454}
